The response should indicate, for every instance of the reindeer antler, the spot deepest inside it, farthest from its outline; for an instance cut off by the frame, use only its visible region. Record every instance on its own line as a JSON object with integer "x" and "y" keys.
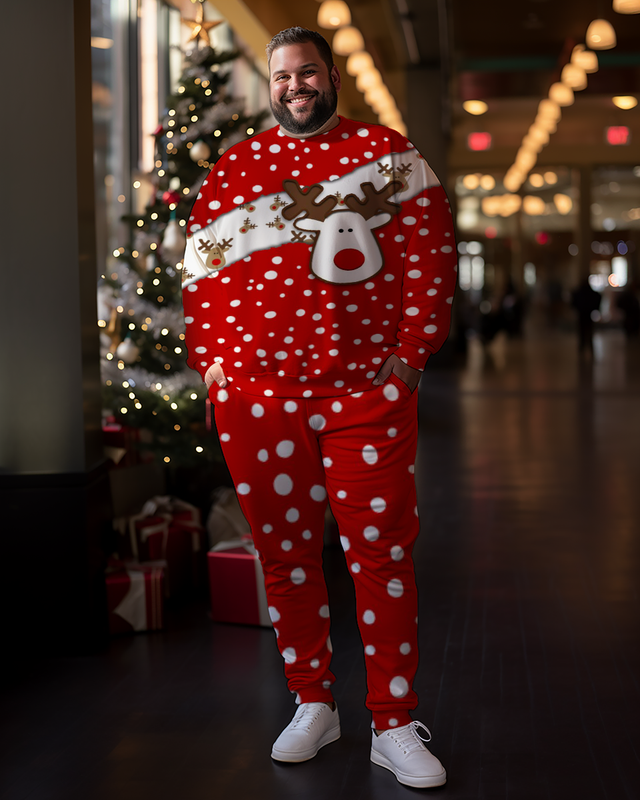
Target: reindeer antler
{"x": 374, "y": 201}
{"x": 306, "y": 202}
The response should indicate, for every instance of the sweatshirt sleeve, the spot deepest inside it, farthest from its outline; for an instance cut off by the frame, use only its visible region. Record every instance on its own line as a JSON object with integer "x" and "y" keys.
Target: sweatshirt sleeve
{"x": 430, "y": 267}
{"x": 197, "y": 290}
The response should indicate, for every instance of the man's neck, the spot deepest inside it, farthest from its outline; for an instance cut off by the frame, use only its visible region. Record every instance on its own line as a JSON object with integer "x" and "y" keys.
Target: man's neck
{"x": 333, "y": 120}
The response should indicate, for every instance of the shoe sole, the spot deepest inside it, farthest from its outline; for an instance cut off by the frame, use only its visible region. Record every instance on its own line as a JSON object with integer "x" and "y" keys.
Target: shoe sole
{"x": 415, "y": 782}
{"x": 332, "y": 735}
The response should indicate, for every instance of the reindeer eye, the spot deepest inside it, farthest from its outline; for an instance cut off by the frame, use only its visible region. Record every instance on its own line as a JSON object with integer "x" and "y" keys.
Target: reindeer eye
{"x": 340, "y": 230}
{"x": 350, "y": 230}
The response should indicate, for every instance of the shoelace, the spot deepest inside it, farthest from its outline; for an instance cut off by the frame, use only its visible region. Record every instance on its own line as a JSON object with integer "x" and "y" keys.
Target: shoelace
{"x": 409, "y": 738}
{"x": 306, "y": 715}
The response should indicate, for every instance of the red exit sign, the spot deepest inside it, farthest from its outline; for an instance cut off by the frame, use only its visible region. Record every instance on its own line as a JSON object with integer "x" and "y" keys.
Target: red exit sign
{"x": 479, "y": 140}
{"x": 618, "y": 134}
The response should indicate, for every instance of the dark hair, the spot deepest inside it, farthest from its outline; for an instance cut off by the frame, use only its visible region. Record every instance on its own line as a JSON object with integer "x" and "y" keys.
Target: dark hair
{"x": 299, "y": 35}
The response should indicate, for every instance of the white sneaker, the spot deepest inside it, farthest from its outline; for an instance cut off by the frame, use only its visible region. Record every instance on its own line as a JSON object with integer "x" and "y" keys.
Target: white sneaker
{"x": 313, "y": 726}
{"x": 402, "y": 751}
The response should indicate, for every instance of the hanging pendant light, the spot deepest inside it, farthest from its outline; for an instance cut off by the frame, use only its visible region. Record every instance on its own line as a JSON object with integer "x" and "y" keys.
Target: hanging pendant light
{"x": 369, "y": 79}
{"x": 626, "y": 6}
{"x": 601, "y": 35}
{"x": 347, "y": 40}
{"x": 547, "y": 109}
{"x": 561, "y": 94}
{"x": 574, "y": 76}
{"x": 586, "y": 59}
{"x": 358, "y": 62}
{"x": 334, "y": 14}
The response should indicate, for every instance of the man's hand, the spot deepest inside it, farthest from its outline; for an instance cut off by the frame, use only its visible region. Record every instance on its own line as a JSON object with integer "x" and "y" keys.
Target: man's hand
{"x": 215, "y": 374}
{"x": 407, "y": 374}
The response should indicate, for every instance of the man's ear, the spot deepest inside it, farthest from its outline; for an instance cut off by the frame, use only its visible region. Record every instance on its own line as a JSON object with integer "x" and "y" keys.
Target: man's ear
{"x": 335, "y": 78}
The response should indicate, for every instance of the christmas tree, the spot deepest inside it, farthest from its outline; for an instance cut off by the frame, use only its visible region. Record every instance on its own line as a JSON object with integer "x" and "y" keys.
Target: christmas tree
{"x": 147, "y": 384}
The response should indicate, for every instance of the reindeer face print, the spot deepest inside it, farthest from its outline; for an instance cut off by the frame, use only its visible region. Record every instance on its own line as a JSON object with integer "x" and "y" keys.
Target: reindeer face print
{"x": 215, "y": 252}
{"x": 345, "y": 249}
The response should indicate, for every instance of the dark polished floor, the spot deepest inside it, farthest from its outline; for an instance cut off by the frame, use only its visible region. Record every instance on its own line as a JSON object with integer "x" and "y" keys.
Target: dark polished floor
{"x": 528, "y": 566}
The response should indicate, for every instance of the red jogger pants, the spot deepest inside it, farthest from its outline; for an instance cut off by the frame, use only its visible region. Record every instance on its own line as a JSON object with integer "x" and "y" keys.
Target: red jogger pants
{"x": 286, "y": 457}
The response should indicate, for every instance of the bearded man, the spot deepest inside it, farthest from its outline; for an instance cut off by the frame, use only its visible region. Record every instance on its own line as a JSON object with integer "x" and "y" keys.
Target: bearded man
{"x": 318, "y": 279}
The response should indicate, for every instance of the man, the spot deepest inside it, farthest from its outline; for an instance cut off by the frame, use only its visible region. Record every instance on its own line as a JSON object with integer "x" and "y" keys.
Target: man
{"x": 318, "y": 278}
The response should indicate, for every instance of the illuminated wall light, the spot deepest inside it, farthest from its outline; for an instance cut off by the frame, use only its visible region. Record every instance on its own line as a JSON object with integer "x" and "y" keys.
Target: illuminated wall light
{"x": 563, "y": 203}
{"x": 533, "y": 206}
{"x": 625, "y": 102}
{"x": 601, "y": 35}
{"x": 358, "y": 62}
{"x": 574, "y": 76}
{"x": 586, "y": 59}
{"x": 626, "y": 6}
{"x": 479, "y": 140}
{"x": 475, "y": 107}
{"x": 491, "y": 205}
{"x": 334, "y": 14}
{"x": 511, "y": 203}
{"x": 617, "y": 135}
{"x": 536, "y": 179}
{"x": 347, "y": 40}
{"x": 561, "y": 94}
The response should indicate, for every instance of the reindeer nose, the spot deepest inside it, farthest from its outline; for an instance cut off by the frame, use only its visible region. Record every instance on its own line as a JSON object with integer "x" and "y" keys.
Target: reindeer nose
{"x": 349, "y": 258}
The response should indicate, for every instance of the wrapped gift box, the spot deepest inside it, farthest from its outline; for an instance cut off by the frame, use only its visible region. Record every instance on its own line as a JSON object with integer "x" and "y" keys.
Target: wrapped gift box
{"x": 237, "y": 584}
{"x": 135, "y": 599}
{"x": 169, "y": 529}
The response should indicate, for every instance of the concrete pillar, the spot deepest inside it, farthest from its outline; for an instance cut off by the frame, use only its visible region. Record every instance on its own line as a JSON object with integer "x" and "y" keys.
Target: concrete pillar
{"x": 53, "y": 482}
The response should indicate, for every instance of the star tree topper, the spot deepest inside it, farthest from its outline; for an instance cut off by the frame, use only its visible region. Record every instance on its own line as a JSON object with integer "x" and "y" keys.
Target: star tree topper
{"x": 199, "y": 28}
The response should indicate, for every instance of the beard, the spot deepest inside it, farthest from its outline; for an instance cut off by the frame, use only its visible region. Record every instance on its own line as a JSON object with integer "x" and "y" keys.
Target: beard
{"x": 323, "y": 108}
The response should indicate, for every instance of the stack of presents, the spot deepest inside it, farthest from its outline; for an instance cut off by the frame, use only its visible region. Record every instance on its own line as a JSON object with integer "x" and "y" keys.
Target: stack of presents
{"x": 163, "y": 549}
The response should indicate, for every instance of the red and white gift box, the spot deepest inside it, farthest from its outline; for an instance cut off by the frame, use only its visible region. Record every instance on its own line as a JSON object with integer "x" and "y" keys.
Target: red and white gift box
{"x": 135, "y": 599}
{"x": 170, "y": 529}
{"x": 237, "y": 584}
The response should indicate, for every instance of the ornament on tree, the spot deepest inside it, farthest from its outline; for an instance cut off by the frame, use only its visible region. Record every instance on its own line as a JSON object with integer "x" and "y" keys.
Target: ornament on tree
{"x": 127, "y": 351}
{"x": 174, "y": 240}
{"x": 200, "y": 151}
{"x": 171, "y": 197}
{"x": 199, "y": 28}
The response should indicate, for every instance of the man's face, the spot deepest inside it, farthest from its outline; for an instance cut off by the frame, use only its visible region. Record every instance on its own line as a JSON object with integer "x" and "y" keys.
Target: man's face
{"x": 303, "y": 93}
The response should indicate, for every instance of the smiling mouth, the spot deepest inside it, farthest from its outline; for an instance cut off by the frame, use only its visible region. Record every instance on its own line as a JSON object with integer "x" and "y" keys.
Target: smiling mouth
{"x": 299, "y": 99}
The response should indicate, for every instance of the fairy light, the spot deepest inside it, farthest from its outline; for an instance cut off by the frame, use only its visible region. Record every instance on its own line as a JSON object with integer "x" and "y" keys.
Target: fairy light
{"x": 102, "y": 323}
{"x": 174, "y": 406}
{"x": 164, "y": 331}
{"x": 154, "y": 215}
{"x": 153, "y": 246}
{"x": 176, "y": 350}
{"x": 217, "y": 133}
{"x": 249, "y": 131}
{"x": 124, "y": 410}
{"x": 139, "y": 290}
{"x": 199, "y": 449}
{"x": 132, "y": 326}
{"x": 172, "y": 111}
{"x": 176, "y": 427}
{"x": 109, "y": 357}
{"x": 140, "y": 223}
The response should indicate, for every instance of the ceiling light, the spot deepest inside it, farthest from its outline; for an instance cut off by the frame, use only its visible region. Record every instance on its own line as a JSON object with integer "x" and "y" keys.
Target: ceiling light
{"x": 512, "y": 180}
{"x": 547, "y": 109}
{"x": 574, "y": 76}
{"x": 626, "y": 6}
{"x": 563, "y": 203}
{"x": 550, "y": 177}
{"x": 347, "y": 40}
{"x": 475, "y": 107}
{"x": 532, "y": 205}
{"x": 487, "y": 182}
{"x": 369, "y": 79}
{"x": 334, "y": 14}
{"x": 625, "y": 101}
{"x": 600, "y": 35}
{"x": 586, "y": 59}
{"x": 471, "y": 182}
{"x": 561, "y": 94}
{"x": 536, "y": 179}
{"x": 358, "y": 62}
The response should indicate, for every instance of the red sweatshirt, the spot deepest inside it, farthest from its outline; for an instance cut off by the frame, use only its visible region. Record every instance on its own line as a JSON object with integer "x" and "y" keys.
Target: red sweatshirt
{"x": 310, "y": 261}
